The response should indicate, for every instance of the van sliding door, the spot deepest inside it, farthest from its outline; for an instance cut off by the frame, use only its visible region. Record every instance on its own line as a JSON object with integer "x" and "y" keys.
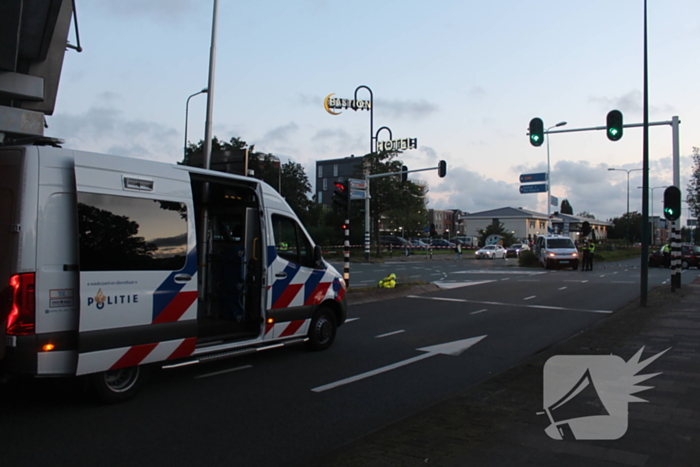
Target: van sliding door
{"x": 138, "y": 265}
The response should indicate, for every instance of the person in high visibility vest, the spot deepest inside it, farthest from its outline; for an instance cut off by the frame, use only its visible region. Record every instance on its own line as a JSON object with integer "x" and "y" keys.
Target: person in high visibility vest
{"x": 591, "y": 251}
{"x": 666, "y": 252}
{"x": 389, "y": 282}
{"x": 586, "y": 256}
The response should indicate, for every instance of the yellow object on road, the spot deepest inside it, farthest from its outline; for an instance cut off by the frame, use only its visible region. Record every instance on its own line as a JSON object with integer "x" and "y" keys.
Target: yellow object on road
{"x": 389, "y": 282}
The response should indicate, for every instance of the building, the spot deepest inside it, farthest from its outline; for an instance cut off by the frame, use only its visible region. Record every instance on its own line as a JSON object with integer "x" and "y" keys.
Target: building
{"x": 527, "y": 225}
{"x": 335, "y": 170}
{"x": 447, "y": 222}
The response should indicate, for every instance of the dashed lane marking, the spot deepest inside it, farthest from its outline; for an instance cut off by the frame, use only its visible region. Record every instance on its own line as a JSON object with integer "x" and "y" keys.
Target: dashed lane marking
{"x": 530, "y": 297}
{"x": 389, "y": 334}
{"x": 516, "y": 305}
{"x": 477, "y": 311}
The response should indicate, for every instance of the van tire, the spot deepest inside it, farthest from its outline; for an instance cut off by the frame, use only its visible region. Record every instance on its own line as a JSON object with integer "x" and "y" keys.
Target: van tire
{"x": 115, "y": 386}
{"x": 322, "y": 330}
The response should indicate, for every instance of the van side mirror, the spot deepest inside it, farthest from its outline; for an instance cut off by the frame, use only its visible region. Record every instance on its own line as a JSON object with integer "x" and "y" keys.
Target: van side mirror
{"x": 318, "y": 257}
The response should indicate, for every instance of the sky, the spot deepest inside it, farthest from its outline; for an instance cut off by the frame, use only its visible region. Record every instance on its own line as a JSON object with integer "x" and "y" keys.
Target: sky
{"x": 463, "y": 77}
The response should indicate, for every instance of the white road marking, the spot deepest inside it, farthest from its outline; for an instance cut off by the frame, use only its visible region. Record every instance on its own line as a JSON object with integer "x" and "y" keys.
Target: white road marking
{"x": 454, "y": 285}
{"x": 499, "y": 271}
{"x": 530, "y": 297}
{"x": 437, "y": 274}
{"x": 582, "y": 282}
{"x": 216, "y": 373}
{"x": 450, "y": 348}
{"x": 562, "y": 288}
{"x": 350, "y": 320}
{"x": 478, "y": 311}
{"x": 506, "y": 279}
{"x": 389, "y": 334}
{"x": 545, "y": 307}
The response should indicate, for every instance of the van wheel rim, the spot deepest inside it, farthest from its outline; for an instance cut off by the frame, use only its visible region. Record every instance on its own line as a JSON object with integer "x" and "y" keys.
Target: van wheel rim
{"x": 324, "y": 330}
{"x": 121, "y": 380}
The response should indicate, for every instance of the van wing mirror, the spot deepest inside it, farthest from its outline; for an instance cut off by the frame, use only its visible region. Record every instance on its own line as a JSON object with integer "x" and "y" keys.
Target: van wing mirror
{"x": 318, "y": 257}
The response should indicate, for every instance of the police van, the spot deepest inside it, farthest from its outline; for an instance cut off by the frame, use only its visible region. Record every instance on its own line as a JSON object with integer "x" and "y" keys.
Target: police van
{"x": 556, "y": 251}
{"x": 111, "y": 265}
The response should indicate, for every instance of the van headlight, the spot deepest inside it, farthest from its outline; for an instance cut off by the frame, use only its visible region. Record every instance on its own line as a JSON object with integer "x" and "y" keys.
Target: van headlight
{"x": 551, "y": 255}
{"x": 575, "y": 255}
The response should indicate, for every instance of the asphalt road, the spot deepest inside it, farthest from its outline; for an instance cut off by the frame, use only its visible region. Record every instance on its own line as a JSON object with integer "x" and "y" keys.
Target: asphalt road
{"x": 288, "y": 406}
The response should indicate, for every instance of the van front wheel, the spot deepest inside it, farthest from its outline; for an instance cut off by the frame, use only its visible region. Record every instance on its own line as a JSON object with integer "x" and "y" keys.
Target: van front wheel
{"x": 114, "y": 386}
{"x": 322, "y": 331}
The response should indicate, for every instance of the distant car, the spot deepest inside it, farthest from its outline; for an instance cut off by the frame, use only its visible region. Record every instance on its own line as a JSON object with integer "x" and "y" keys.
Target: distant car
{"x": 441, "y": 242}
{"x": 417, "y": 243}
{"x": 514, "y": 250}
{"x": 690, "y": 258}
{"x": 491, "y": 252}
{"x": 393, "y": 241}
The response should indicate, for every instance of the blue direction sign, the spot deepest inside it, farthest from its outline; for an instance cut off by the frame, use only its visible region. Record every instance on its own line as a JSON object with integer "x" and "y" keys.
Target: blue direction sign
{"x": 538, "y": 188}
{"x": 358, "y": 194}
{"x": 529, "y": 178}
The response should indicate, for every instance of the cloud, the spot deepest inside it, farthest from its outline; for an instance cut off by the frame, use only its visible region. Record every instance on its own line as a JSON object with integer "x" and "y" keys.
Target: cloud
{"x": 411, "y": 109}
{"x": 281, "y": 133}
{"x": 104, "y": 129}
{"x": 162, "y": 11}
{"x": 328, "y": 140}
{"x": 630, "y": 103}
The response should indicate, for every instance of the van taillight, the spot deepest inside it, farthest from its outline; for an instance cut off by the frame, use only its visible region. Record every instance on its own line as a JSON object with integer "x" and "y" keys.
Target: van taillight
{"x": 21, "y": 319}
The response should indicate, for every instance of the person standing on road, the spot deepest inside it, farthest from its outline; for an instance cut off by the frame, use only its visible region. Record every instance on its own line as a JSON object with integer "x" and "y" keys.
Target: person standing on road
{"x": 586, "y": 255}
{"x": 458, "y": 250}
{"x": 591, "y": 252}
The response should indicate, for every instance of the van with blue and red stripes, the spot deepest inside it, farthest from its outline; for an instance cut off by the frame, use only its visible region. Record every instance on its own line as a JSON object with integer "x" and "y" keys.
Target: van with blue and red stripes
{"x": 110, "y": 266}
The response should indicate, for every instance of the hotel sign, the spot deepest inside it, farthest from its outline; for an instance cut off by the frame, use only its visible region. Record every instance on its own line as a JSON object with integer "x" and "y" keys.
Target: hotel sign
{"x": 397, "y": 144}
{"x": 330, "y": 103}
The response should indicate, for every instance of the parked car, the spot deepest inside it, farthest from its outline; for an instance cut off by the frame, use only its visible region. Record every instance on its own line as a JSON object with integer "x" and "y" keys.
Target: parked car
{"x": 441, "y": 242}
{"x": 491, "y": 252}
{"x": 393, "y": 241}
{"x": 418, "y": 243}
{"x": 690, "y": 258}
{"x": 514, "y": 250}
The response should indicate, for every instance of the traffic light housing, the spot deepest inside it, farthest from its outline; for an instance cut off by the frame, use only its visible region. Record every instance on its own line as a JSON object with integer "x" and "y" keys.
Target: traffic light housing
{"x": 536, "y": 131}
{"x": 432, "y": 230}
{"x": 404, "y": 173}
{"x": 614, "y": 125}
{"x": 585, "y": 229}
{"x": 442, "y": 169}
{"x": 672, "y": 203}
{"x": 341, "y": 195}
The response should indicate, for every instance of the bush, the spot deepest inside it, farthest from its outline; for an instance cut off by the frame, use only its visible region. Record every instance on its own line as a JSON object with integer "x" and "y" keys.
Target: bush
{"x": 527, "y": 259}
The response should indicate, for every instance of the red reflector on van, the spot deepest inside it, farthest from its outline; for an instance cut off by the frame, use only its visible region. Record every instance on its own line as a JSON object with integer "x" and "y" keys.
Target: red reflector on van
{"x": 22, "y": 314}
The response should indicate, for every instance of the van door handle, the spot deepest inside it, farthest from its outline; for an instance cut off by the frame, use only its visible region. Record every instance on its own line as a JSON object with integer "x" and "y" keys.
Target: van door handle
{"x": 182, "y": 277}
{"x": 281, "y": 275}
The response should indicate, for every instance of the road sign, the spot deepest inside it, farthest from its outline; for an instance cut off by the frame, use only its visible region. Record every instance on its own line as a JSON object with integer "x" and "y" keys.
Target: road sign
{"x": 538, "y": 188}
{"x": 358, "y": 194}
{"x": 529, "y": 178}
{"x": 357, "y": 184}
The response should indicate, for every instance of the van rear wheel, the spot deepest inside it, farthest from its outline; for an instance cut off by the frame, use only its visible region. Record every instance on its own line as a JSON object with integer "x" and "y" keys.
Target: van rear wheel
{"x": 114, "y": 386}
{"x": 323, "y": 329}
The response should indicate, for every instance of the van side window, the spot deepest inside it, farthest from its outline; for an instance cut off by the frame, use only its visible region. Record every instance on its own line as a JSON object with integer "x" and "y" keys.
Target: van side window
{"x": 290, "y": 241}
{"x": 121, "y": 233}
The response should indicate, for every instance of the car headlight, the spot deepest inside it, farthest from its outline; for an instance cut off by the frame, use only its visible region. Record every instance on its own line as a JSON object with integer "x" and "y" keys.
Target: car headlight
{"x": 575, "y": 255}
{"x": 551, "y": 254}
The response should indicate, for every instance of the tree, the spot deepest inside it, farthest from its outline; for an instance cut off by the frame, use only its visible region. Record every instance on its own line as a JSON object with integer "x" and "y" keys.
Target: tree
{"x": 296, "y": 189}
{"x": 496, "y": 228}
{"x": 693, "y": 197}
{"x": 619, "y": 227}
{"x": 566, "y": 207}
{"x": 586, "y": 214}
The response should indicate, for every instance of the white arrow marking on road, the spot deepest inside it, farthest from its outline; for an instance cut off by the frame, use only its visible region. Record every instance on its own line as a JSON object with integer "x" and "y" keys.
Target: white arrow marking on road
{"x": 450, "y": 348}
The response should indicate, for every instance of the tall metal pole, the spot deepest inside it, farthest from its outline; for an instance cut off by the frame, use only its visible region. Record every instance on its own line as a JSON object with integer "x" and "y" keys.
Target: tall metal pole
{"x": 628, "y": 207}
{"x": 204, "y": 234}
{"x": 675, "y": 225}
{"x": 366, "y": 166}
{"x": 644, "y": 282}
{"x": 549, "y": 180}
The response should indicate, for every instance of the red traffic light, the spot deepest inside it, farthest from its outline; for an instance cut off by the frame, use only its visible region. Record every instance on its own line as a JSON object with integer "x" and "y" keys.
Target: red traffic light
{"x": 340, "y": 186}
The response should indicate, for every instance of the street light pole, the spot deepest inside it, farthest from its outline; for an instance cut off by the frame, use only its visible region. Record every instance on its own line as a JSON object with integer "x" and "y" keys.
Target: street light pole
{"x": 549, "y": 179}
{"x": 628, "y": 198}
{"x": 187, "y": 111}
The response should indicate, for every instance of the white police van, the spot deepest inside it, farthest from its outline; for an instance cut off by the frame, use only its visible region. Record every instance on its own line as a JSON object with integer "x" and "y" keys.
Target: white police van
{"x": 106, "y": 270}
{"x": 556, "y": 251}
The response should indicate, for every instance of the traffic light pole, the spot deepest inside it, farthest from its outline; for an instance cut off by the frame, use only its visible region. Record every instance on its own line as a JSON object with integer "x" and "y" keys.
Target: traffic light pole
{"x": 368, "y": 177}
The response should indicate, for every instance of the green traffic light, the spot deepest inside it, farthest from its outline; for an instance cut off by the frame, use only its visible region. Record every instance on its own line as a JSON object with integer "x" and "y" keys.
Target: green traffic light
{"x": 613, "y": 131}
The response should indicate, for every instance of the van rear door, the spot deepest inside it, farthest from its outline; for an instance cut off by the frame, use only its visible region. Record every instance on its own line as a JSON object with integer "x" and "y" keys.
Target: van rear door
{"x": 138, "y": 263}
{"x": 10, "y": 163}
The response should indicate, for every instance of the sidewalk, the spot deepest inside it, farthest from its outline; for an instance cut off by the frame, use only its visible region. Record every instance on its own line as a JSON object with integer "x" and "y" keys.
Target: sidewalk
{"x": 494, "y": 423}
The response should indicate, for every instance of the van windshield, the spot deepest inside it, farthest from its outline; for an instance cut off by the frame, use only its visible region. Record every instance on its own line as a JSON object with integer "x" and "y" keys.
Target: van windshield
{"x": 560, "y": 243}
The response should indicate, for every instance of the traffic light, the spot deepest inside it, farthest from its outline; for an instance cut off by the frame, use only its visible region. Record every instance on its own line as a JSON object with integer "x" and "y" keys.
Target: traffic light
{"x": 432, "y": 230}
{"x": 585, "y": 229}
{"x": 672, "y": 203}
{"x": 536, "y": 132}
{"x": 614, "y": 125}
{"x": 341, "y": 195}
{"x": 404, "y": 173}
{"x": 442, "y": 169}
